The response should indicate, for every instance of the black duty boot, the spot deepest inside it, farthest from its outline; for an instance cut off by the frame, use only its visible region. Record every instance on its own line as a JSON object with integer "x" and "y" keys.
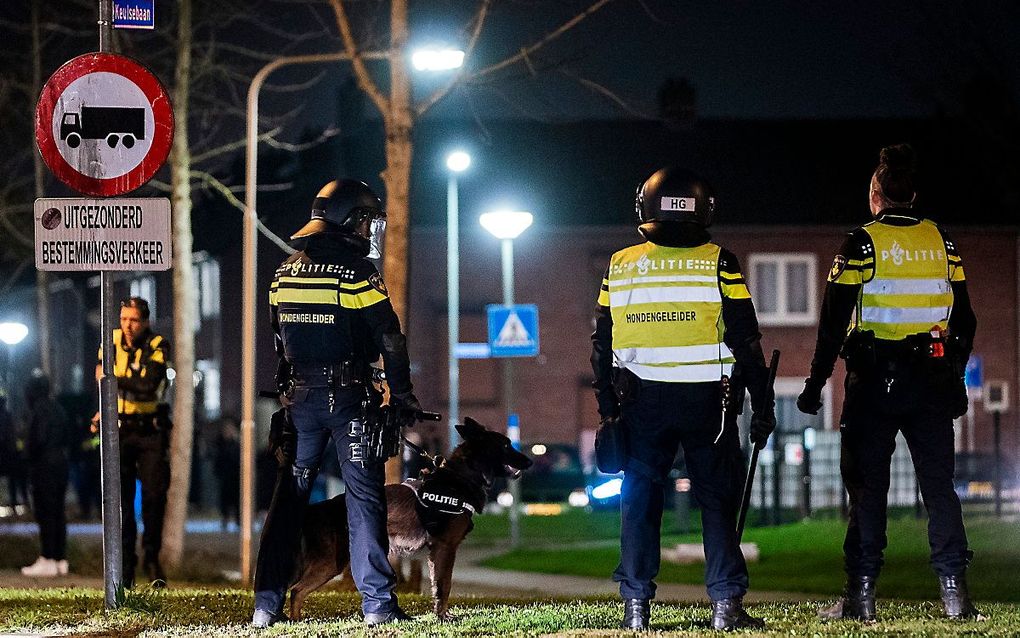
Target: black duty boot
{"x": 728, "y": 614}
{"x": 636, "y": 614}
{"x": 386, "y": 618}
{"x": 856, "y": 603}
{"x": 956, "y": 598}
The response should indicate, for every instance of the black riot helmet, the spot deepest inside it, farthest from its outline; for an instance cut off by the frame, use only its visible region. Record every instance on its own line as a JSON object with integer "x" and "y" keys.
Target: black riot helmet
{"x": 677, "y": 195}
{"x": 343, "y": 206}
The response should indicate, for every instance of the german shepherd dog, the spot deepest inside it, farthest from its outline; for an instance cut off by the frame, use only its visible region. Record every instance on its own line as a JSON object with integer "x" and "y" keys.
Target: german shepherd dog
{"x": 482, "y": 457}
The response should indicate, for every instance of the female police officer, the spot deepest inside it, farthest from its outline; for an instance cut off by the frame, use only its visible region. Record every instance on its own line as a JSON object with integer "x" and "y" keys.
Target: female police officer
{"x": 897, "y": 289}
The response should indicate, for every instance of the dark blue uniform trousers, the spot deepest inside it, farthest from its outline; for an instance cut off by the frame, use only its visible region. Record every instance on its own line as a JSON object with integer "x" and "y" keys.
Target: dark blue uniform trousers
{"x": 366, "y": 507}
{"x": 664, "y": 417}
{"x": 871, "y": 418}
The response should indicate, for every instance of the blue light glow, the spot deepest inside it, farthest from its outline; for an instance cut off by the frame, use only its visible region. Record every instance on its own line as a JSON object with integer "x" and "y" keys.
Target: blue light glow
{"x": 609, "y": 489}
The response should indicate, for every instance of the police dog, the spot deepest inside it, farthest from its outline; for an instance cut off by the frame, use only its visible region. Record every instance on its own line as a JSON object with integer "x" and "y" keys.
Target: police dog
{"x": 469, "y": 472}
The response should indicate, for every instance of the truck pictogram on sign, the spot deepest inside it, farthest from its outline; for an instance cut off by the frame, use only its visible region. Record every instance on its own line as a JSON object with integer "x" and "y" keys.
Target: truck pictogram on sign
{"x": 111, "y": 123}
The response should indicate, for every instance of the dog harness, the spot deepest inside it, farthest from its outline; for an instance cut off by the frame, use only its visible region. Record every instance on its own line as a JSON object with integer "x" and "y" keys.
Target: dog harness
{"x": 442, "y": 496}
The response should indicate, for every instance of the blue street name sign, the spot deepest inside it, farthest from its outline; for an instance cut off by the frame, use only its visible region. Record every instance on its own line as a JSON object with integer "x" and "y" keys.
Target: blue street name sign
{"x": 513, "y": 330}
{"x": 134, "y": 14}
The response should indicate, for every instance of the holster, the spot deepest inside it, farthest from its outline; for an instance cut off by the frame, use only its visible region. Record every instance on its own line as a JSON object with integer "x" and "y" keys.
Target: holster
{"x": 282, "y": 437}
{"x": 859, "y": 352}
{"x": 375, "y": 437}
{"x": 626, "y": 385}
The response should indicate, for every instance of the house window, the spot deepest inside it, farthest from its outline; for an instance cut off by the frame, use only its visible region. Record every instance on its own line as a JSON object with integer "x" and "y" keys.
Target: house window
{"x": 783, "y": 288}
{"x": 145, "y": 287}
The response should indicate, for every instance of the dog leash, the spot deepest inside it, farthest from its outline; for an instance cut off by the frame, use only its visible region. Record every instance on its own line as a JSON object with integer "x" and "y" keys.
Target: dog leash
{"x": 436, "y": 461}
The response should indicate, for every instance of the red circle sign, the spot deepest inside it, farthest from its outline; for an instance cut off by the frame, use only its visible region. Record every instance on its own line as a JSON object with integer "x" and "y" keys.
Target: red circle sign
{"x": 104, "y": 124}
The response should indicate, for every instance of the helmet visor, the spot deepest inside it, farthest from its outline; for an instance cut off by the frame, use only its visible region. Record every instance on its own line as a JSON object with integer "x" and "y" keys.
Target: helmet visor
{"x": 376, "y": 237}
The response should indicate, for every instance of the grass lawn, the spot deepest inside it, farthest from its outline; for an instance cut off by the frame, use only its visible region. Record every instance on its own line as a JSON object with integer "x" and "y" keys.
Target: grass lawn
{"x": 211, "y": 612}
{"x": 807, "y": 557}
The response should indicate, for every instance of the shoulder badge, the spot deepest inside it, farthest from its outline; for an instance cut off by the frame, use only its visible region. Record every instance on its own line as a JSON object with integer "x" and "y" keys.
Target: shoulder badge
{"x": 377, "y": 282}
{"x": 295, "y": 268}
{"x": 838, "y": 266}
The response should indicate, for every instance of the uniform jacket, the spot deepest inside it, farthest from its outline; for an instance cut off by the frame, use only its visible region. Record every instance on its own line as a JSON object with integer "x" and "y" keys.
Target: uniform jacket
{"x": 140, "y": 372}
{"x": 329, "y": 304}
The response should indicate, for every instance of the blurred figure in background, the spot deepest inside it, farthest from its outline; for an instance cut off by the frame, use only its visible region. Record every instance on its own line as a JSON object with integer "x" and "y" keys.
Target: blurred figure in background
{"x": 228, "y": 470}
{"x": 49, "y": 434}
{"x": 12, "y": 461}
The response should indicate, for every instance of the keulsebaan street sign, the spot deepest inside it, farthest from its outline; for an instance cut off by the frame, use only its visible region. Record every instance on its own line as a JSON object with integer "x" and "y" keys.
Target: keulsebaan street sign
{"x": 74, "y": 234}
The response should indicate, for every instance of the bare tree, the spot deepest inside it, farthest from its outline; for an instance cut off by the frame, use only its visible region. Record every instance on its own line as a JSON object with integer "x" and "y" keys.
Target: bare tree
{"x": 399, "y": 114}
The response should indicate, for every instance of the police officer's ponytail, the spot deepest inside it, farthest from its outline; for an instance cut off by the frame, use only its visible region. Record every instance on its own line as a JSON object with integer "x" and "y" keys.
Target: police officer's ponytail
{"x": 896, "y": 173}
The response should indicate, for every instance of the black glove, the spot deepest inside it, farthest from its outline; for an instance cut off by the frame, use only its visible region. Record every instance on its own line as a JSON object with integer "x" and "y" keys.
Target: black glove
{"x": 609, "y": 404}
{"x": 763, "y": 424}
{"x": 810, "y": 400}
{"x": 406, "y": 405}
{"x": 611, "y": 446}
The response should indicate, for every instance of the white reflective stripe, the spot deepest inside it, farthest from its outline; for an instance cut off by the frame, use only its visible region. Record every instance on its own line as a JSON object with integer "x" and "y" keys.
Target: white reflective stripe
{"x": 707, "y": 279}
{"x": 881, "y": 286}
{"x": 871, "y": 314}
{"x": 664, "y": 294}
{"x": 681, "y": 373}
{"x": 674, "y": 354}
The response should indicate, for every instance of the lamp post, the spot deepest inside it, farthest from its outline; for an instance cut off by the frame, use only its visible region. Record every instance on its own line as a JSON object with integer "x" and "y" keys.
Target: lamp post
{"x": 249, "y": 267}
{"x": 507, "y": 226}
{"x": 457, "y": 162}
{"x": 11, "y": 333}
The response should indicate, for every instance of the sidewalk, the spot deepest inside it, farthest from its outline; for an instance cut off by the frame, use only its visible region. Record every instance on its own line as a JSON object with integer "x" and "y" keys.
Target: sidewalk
{"x": 472, "y": 579}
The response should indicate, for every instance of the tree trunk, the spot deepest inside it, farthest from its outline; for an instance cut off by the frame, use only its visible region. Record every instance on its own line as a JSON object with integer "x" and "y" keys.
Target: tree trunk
{"x": 399, "y": 124}
{"x": 184, "y": 293}
{"x": 42, "y": 278}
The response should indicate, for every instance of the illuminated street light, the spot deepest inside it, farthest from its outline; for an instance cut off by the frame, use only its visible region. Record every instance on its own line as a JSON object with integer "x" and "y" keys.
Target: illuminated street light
{"x": 506, "y": 224}
{"x": 437, "y": 59}
{"x": 458, "y": 161}
{"x": 12, "y": 333}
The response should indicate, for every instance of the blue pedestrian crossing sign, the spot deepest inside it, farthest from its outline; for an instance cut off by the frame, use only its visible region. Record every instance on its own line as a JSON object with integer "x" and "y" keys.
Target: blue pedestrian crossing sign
{"x": 513, "y": 330}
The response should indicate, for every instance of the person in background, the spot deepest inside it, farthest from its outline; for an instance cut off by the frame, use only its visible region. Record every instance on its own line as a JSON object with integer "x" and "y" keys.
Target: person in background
{"x": 228, "y": 470}
{"x": 49, "y": 434}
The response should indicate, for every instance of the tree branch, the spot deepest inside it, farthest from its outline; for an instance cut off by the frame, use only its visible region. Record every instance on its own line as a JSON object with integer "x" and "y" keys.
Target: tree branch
{"x": 361, "y": 74}
{"x": 528, "y": 50}
{"x": 607, "y": 93}
{"x": 232, "y": 146}
{"x": 441, "y": 92}
{"x": 232, "y": 199}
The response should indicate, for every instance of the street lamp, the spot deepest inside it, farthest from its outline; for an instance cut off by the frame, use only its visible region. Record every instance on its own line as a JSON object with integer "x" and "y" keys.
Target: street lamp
{"x": 12, "y": 333}
{"x": 507, "y": 225}
{"x": 433, "y": 59}
{"x": 456, "y": 162}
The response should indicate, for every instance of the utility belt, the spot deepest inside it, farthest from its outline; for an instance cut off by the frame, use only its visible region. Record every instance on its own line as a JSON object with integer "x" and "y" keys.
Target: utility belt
{"x": 345, "y": 374}
{"x": 149, "y": 423}
{"x": 864, "y": 354}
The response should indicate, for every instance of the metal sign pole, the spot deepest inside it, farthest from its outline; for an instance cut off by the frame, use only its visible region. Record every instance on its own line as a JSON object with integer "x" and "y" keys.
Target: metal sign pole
{"x": 109, "y": 446}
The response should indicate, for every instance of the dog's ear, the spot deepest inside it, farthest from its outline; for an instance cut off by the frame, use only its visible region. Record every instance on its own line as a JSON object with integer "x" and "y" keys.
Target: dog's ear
{"x": 470, "y": 428}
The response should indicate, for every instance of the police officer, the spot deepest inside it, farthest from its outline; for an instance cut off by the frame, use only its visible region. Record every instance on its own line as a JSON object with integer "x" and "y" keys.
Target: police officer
{"x": 140, "y": 367}
{"x": 333, "y": 318}
{"x": 673, "y": 316}
{"x": 896, "y": 308}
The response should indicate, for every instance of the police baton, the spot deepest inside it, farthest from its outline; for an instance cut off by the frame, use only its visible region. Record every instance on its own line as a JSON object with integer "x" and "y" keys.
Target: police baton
{"x": 745, "y": 501}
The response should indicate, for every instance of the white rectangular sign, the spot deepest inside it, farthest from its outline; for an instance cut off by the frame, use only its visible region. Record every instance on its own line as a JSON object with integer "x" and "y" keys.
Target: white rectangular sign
{"x": 74, "y": 234}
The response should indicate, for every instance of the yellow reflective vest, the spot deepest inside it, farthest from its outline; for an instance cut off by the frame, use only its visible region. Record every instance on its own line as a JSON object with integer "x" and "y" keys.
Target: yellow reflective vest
{"x": 666, "y": 306}
{"x": 131, "y": 363}
{"x": 906, "y": 280}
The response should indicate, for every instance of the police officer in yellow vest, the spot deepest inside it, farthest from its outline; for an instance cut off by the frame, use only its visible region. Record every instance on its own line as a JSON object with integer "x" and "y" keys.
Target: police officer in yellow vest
{"x": 140, "y": 368}
{"x": 673, "y": 317}
{"x": 896, "y": 309}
